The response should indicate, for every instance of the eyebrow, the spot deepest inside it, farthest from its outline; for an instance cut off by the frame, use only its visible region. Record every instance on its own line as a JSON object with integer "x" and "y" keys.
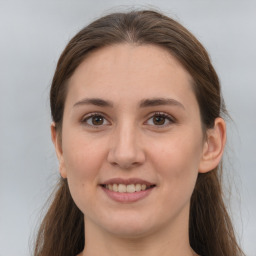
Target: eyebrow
{"x": 159, "y": 102}
{"x": 94, "y": 101}
{"x": 143, "y": 103}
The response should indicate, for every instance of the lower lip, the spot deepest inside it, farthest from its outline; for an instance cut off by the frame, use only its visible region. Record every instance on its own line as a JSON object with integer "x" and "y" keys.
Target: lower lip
{"x": 127, "y": 197}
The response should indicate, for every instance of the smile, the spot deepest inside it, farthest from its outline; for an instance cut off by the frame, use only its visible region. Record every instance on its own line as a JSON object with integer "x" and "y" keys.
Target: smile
{"x": 129, "y": 188}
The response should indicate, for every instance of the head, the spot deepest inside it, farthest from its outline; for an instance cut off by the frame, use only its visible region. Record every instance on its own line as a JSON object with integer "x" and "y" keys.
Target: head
{"x": 151, "y": 30}
{"x": 141, "y": 28}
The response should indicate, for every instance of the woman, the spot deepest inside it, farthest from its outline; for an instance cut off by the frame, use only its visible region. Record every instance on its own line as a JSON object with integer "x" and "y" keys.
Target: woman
{"x": 139, "y": 135}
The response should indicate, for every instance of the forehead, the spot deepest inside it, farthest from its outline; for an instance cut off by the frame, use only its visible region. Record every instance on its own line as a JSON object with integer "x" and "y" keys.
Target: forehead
{"x": 129, "y": 72}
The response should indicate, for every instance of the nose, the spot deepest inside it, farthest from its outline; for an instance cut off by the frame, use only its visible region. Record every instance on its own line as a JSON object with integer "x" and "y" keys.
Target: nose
{"x": 125, "y": 149}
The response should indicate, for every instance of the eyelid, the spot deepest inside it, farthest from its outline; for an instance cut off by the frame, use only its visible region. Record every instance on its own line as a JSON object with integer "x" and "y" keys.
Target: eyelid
{"x": 86, "y": 117}
{"x": 169, "y": 117}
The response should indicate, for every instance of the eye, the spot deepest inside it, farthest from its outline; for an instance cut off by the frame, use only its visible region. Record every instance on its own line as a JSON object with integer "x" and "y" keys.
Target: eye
{"x": 160, "y": 119}
{"x": 95, "y": 120}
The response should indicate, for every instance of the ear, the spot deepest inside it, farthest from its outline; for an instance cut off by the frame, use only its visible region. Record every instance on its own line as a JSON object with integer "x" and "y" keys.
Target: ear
{"x": 213, "y": 146}
{"x": 58, "y": 149}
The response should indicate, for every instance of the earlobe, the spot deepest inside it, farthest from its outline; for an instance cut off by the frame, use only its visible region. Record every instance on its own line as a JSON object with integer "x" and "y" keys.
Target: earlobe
{"x": 213, "y": 146}
{"x": 58, "y": 149}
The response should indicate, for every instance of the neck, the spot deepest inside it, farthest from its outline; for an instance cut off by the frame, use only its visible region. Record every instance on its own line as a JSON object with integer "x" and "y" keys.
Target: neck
{"x": 171, "y": 241}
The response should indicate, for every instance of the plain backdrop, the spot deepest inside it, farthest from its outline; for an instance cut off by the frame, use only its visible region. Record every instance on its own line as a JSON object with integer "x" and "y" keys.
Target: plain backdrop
{"x": 32, "y": 36}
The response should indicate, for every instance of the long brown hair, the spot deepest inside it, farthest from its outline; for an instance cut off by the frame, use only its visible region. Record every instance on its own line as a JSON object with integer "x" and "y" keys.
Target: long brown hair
{"x": 210, "y": 228}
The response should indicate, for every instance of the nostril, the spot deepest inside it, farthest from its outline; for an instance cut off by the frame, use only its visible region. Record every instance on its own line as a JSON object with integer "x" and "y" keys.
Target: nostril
{"x": 125, "y": 150}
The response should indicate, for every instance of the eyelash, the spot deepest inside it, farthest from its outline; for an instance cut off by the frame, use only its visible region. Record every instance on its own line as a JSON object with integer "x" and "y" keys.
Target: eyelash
{"x": 90, "y": 116}
{"x": 167, "y": 117}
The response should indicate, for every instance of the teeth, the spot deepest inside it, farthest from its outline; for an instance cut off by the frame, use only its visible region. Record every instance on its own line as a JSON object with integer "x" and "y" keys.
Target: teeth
{"x": 138, "y": 187}
{"x": 115, "y": 187}
{"x": 130, "y": 188}
{"x": 121, "y": 188}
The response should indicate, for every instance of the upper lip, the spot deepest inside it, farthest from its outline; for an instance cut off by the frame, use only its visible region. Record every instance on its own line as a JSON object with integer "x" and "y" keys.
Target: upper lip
{"x": 127, "y": 181}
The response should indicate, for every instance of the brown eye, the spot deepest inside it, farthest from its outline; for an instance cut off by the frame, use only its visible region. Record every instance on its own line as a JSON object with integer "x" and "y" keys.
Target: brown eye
{"x": 95, "y": 120}
{"x": 159, "y": 120}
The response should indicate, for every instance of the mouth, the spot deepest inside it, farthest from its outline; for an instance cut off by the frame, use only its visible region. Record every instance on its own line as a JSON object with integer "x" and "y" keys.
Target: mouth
{"x": 127, "y": 188}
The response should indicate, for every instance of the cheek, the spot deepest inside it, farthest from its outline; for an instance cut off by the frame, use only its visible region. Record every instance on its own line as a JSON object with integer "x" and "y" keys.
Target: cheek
{"x": 82, "y": 162}
{"x": 177, "y": 160}
{"x": 82, "y": 157}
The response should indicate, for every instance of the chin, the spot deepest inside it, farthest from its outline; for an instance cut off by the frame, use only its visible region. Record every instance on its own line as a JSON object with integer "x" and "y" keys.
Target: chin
{"x": 130, "y": 232}
{"x": 129, "y": 226}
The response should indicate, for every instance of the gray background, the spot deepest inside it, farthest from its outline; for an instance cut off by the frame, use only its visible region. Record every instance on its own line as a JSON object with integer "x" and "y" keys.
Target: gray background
{"x": 33, "y": 34}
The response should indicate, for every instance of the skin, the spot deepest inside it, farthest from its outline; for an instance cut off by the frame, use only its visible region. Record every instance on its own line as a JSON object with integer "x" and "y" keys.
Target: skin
{"x": 130, "y": 143}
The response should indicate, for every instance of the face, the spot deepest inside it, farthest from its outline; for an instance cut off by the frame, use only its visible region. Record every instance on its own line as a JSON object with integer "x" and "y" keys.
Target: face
{"x": 132, "y": 141}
